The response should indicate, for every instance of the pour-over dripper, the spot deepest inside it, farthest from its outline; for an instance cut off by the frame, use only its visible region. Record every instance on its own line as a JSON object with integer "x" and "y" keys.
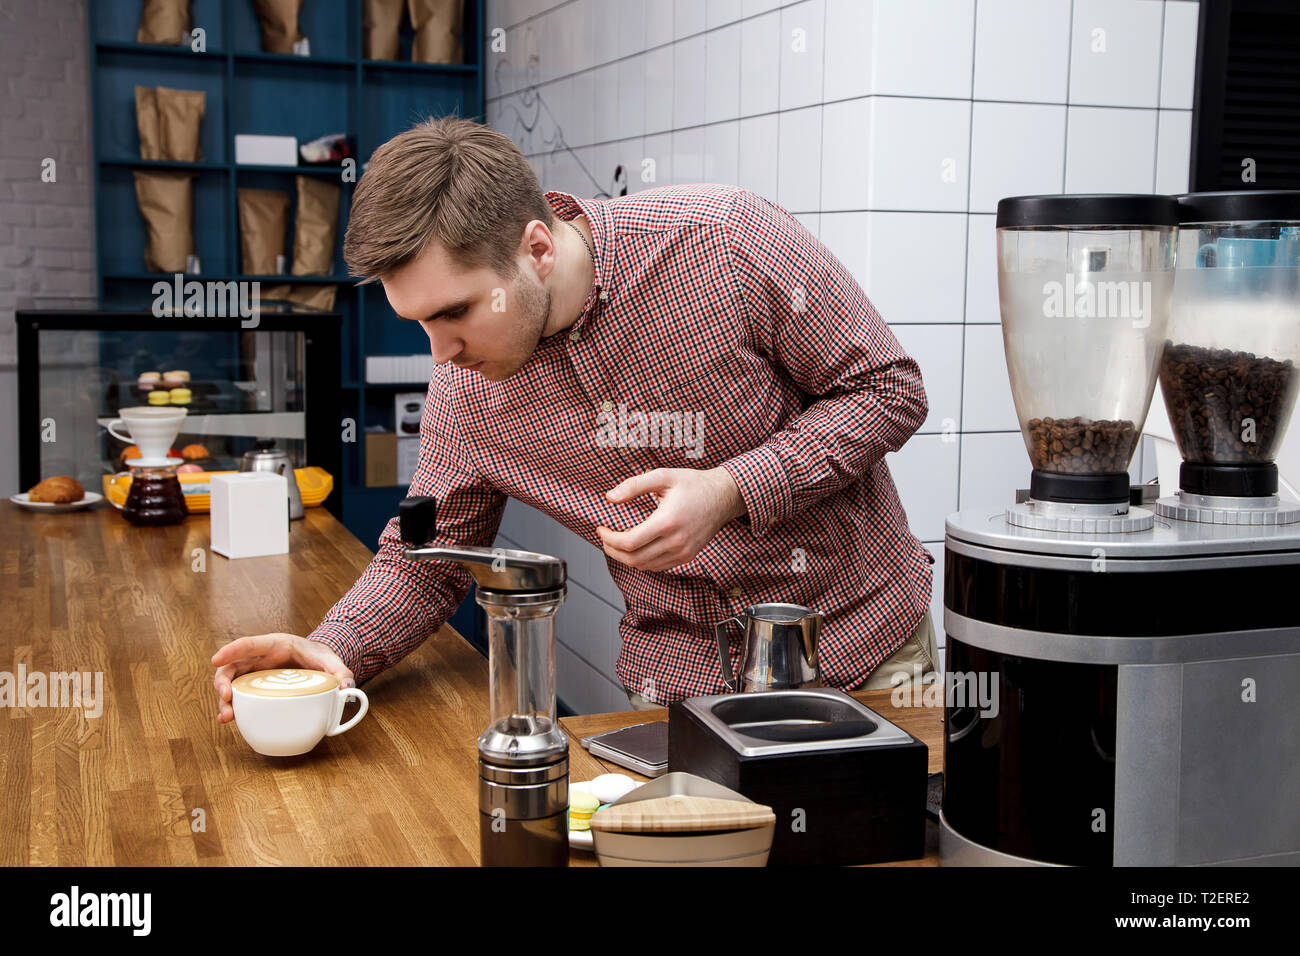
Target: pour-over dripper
{"x": 152, "y": 430}
{"x": 1084, "y": 283}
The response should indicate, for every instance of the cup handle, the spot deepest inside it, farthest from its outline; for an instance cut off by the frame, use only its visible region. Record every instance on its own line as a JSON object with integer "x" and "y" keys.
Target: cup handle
{"x": 346, "y": 694}
{"x": 724, "y": 653}
{"x": 125, "y": 438}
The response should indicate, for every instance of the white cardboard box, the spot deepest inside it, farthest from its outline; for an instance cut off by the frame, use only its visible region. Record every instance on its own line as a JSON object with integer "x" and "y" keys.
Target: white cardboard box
{"x": 408, "y": 459}
{"x": 253, "y": 150}
{"x": 250, "y": 514}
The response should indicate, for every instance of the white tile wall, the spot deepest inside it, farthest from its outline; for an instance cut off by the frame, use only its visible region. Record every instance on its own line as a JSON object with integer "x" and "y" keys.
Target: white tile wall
{"x": 1173, "y": 150}
{"x": 926, "y": 473}
{"x": 1016, "y": 149}
{"x": 802, "y": 54}
{"x": 982, "y": 269}
{"x": 922, "y": 47}
{"x": 1115, "y": 52}
{"x": 919, "y": 154}
{"x": 986, "y": 391}
{"x": 937, "y": 350}
{"x": 1110, "y": 150}
{"x": 909, "y": 266}
{"x": 798, "y": 179}
{"x": 890, "y": 128}
{"x": 1022, "y": 50}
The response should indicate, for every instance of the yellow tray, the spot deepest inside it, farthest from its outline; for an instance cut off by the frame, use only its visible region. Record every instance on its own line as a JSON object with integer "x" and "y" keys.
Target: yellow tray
{"x": 314, "y": 484}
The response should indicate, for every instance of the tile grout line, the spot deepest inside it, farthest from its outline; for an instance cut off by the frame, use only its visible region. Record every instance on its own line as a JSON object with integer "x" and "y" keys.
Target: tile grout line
{"x": 965, "y": 266}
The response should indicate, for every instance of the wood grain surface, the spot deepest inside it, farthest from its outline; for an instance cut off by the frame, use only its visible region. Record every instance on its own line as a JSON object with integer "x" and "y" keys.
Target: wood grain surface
{"x": 155, "y": 780}
{"x": 679, "y": 812}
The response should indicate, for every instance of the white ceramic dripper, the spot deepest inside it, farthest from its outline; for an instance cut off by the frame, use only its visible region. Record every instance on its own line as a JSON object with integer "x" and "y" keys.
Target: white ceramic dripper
{"x": 151, "y": 429}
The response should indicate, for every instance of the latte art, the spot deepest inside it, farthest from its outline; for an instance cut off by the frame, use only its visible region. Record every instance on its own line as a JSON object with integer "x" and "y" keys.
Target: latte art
{"x": 287, "y": 682}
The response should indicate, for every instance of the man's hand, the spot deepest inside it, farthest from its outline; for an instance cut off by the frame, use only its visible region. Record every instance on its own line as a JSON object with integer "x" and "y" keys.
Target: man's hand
{"x": 266, "y": 652}
{"x": 692, "y": 504}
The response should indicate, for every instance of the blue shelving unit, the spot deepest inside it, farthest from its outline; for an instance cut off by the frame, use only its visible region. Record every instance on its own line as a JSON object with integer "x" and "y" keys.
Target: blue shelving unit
{"x": 248, "y": 91}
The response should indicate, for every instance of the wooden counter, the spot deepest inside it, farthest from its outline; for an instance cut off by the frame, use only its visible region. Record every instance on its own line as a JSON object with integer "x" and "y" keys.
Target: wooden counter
{"x": 155, "y": 780}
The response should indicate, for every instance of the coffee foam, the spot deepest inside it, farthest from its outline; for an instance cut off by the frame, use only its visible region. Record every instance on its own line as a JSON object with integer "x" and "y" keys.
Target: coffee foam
{"x": 286, "y": 682}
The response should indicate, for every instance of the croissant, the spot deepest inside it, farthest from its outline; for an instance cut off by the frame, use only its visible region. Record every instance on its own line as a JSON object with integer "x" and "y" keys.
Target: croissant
{"x": 61, "y": 489}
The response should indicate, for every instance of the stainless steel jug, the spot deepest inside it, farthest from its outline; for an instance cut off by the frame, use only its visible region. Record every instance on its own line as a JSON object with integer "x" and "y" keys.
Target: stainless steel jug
{"x": 264, "y": 456}
{"x": 779, "y": 648}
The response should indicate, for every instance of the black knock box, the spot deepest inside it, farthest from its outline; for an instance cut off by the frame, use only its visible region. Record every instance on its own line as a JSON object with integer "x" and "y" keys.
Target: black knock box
{"x": 847, "y": 785}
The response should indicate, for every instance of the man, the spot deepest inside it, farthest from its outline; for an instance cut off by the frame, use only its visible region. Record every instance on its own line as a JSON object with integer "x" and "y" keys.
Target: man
{"x": 774, "y": 388}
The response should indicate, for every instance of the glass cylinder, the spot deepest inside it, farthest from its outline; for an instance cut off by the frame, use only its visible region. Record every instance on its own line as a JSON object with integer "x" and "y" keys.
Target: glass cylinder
{"x": 521, "y": 656}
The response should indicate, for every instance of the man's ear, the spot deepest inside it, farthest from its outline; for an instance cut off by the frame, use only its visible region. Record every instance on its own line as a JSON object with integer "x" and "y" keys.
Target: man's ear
{"x": 538, "y": 247}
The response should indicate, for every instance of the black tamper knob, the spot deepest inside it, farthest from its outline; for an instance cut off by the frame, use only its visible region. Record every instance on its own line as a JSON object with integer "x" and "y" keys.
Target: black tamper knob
{"x": 417, "y": 518}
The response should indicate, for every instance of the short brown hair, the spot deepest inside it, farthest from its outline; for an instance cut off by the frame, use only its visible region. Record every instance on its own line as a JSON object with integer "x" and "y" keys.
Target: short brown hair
{"x": 450, "y": 179}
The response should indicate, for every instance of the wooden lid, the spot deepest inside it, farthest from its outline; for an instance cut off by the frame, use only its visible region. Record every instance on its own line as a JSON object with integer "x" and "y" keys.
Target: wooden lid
{"x": 680, "y": 812}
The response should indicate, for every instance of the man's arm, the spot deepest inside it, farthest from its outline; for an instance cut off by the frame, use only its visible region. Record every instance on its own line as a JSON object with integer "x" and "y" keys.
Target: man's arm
{"x": 396, "y": 604}
{"x": 810, "y": 317}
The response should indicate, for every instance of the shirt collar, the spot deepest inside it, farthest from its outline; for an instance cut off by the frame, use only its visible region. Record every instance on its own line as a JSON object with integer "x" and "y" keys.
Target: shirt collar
{"x": 566, "y": 207}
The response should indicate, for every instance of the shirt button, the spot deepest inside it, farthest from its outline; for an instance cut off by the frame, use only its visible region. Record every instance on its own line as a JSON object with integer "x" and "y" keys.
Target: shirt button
{"x": 604, "y": 296}
{"x": 607, "y": 406}
{"x": 735, "y": 592}
{"x": 574, "y": 336}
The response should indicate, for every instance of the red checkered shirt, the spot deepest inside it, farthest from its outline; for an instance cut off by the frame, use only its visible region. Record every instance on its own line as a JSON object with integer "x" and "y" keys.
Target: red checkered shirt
{"x": 712, "y": 301}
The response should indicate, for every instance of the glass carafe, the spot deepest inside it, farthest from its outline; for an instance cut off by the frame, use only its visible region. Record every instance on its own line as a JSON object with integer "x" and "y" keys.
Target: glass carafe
{"x": 155, "y": 497}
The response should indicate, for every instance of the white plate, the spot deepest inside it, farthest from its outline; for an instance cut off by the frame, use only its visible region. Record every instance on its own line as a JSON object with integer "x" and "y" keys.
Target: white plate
{"x": 92, "y": 498}
{"x": 581, "y": 840}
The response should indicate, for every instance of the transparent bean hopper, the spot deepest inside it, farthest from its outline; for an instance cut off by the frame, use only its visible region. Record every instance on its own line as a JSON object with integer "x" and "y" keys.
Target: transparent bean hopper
{"x": 1228, "y": 376}
{"x": 523, "y": 753}
{"x": 1085, "y": 284}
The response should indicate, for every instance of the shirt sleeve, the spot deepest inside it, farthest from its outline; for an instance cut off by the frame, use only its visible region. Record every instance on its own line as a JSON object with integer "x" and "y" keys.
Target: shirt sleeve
{"x": 396, "y": 604}
{"x": 806, "y": 313}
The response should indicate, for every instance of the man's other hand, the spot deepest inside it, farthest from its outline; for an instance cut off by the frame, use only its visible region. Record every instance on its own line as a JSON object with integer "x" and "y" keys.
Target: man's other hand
{"x": 691, "y": 506}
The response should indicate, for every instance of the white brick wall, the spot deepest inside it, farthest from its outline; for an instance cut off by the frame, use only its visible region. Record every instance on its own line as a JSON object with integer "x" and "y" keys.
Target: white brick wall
{"x": 47, "y": 242}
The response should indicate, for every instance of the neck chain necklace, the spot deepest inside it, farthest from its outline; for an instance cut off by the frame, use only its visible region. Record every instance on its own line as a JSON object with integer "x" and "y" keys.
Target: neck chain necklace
{"x": 585, "y": 243}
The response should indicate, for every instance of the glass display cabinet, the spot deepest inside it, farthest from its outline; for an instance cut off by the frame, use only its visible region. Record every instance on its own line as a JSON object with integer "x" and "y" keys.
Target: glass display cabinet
{"x": 272, "y": 376}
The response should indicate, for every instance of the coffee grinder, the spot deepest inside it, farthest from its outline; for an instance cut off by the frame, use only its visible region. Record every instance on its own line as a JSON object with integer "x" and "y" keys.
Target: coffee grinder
{"x": 1119, "y": 684}
{"x": 523, "y": 754}
{"x": 1228, "y": 375}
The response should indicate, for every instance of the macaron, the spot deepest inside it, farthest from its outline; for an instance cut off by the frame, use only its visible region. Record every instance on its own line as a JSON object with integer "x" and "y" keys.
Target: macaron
{"x": 179, "y": 396}
{"x": 159, "y": 397}
{"x": 581, "y": 807}
{"x": 610, "y": 787}
{"x": 147, "y": 381}
{"x": 176, "y": 379}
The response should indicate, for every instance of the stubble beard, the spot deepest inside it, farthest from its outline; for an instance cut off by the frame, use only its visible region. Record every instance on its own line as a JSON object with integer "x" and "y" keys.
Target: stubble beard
{"x": 534, "y": 312}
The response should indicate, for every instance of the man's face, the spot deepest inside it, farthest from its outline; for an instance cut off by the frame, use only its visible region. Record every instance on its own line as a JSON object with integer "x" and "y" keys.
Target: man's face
{"x": 455, "y": 307}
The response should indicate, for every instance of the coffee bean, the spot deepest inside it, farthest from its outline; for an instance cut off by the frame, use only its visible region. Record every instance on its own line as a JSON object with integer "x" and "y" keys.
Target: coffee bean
{"x": 1081, "y": 446}
{"x": 1210, "y": 395}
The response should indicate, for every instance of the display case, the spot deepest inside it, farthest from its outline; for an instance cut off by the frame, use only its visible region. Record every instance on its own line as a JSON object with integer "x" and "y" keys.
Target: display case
{"x": 274, "y": 375}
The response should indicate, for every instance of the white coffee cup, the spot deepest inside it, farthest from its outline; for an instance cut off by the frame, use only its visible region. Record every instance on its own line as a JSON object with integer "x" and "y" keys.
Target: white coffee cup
{"x": 152, "y": 430}
{"x": 286, "y": 712}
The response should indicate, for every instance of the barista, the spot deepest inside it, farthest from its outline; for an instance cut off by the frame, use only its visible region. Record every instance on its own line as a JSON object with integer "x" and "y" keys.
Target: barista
{"x": 685, "y": 377}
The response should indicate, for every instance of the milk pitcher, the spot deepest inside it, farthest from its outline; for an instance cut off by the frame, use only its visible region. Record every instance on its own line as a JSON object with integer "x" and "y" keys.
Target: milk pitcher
{"x": 778, "y": 651}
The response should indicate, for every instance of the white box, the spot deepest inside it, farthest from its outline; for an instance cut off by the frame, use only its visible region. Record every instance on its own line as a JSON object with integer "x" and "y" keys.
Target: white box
{"x": 408, "y": 459}
{"x": 266, "y": 150}
{"x": 250, "y": 514}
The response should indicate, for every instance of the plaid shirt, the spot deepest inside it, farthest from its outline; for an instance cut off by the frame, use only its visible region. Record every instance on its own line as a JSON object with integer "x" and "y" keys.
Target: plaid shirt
{"x": 711, "y": 302}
